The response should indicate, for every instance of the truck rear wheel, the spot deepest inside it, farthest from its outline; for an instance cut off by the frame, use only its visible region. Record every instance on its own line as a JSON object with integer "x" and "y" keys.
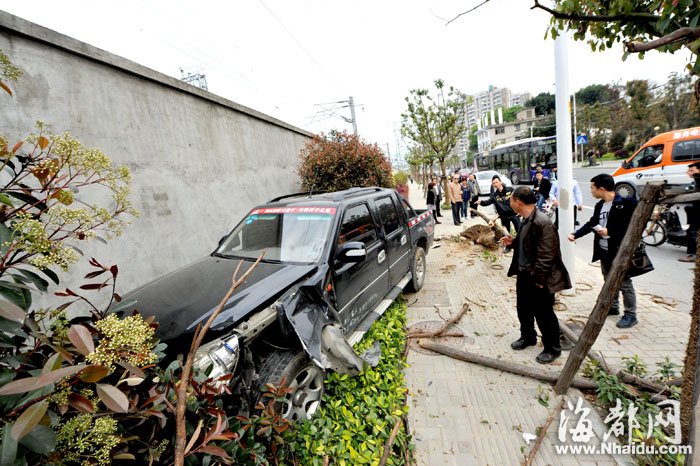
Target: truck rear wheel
{"x": 302, "y": 377}
{"x": 418, "y": 269}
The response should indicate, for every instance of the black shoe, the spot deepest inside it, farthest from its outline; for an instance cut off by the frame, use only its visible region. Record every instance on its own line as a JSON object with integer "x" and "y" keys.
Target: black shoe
{"x": 614, "y": 312}
{"x": 439, "y": 215}
{"x": 546, "y": 357}
{"x": 577, "y": 223}
{"x": 521, "y": 343}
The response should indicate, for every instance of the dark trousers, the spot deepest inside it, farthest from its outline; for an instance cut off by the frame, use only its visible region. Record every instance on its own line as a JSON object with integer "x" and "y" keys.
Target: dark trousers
{"x": 506, "y": 221}
{"x": 556, "y": 216}
{"x": 456, "y": 211}
{"x": 438, "y": 201}
{"x": 692, "y": 239}
{"x": 535, "y": 303}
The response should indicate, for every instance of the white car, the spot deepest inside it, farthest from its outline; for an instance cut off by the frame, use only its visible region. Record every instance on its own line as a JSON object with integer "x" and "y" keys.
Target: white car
{"x": 483, "y": 179}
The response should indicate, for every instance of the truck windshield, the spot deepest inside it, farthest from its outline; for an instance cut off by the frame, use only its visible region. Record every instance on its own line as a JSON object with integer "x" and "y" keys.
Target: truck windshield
{"x": 288, "y": 234}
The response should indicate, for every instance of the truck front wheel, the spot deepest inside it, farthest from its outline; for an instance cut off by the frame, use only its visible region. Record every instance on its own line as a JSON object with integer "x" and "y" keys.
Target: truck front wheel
{"x": 418, "y": 269}
{"x": 302, "y": 377}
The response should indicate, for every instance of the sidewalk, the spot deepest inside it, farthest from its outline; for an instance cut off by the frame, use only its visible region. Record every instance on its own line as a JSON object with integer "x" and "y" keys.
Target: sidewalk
{"x": 467, "y": 414}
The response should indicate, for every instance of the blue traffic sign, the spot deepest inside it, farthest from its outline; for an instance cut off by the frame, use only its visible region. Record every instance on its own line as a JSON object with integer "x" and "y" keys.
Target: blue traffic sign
{"x": 581, "y": 139}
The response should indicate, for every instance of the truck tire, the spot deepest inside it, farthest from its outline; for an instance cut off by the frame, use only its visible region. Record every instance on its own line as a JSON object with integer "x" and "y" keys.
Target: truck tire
{"x": 418, "y": 269}
{"x": 303, "y": 378}
{"x": 625, "y": 190}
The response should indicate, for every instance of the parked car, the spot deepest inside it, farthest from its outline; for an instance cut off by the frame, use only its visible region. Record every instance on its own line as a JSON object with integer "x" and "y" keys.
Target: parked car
{"x": 333, "y": 264}
{"x": 484, "y": 178}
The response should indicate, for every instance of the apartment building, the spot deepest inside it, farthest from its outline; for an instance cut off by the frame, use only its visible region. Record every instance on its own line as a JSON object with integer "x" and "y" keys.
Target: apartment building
{"x": 494, "y": 135}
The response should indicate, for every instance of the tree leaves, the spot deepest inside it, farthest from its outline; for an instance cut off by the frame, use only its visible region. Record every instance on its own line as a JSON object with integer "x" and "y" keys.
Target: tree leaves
{"x": 94, "y": 373}
{"x": 81, "y": 338}
{"x": 12, "y": 312}
{"x": 29, "y": 384}
{"x": 29, "y": 418}
{"x": 113, "y": 398}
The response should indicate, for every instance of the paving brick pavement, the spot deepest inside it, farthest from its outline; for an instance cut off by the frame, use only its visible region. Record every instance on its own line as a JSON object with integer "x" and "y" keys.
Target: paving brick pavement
{"x": 467, "y": 414}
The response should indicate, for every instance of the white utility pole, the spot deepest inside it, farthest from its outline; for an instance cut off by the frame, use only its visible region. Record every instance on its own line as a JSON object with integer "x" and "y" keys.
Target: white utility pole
{"x": 565, "y": 169}
{"x": 575, "y": 131}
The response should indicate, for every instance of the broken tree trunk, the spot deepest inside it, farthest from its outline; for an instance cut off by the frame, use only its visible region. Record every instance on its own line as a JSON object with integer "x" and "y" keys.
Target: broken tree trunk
{"x": 498, "y": 230}
{"x": 513, "y": 368}
{"x": 610, "y": 288}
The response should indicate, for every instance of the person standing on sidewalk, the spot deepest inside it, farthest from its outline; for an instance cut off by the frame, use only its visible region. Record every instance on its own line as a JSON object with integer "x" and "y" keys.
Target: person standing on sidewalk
{"x": 430, "y": 201}
{"x": 454, "y": 194}
{"x": 693, "y": 213}
{"x": 500, "y": 198}
{"x": 578, "y": 201}
{"x": 474, "y": 190}
{"x": 540, "y": 272}
{"x": 610, "y": 220}
{"x": 466, "y": 197}
{"x": 438, "y": 195}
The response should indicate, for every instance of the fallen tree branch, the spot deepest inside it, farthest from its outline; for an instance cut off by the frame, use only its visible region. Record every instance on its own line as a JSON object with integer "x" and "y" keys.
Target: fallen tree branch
{"x": 390, "y": 442}
{"x": 573, "y": 336}
{"x": 452, "y": 333}
{"x": 446, "y": 325}
{"x": 513, "y": 368}
{"x": 543, "y": 432}
{"x": 200, "y": 332}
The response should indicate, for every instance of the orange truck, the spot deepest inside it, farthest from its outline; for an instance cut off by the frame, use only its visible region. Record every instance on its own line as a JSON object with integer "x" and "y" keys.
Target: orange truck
{"x": 662, "y": 158}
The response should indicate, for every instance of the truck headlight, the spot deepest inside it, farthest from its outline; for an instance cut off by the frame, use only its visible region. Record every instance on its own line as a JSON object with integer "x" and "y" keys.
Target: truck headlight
{"x": 220, "y": 355}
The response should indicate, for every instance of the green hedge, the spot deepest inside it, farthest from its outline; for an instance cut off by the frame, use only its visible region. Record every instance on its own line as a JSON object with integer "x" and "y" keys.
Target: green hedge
{"x": 358, "y": 413}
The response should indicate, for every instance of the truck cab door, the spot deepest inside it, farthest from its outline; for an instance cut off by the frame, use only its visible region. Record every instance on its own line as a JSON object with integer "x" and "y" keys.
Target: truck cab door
{"x": 359, "y": 286}
{"x": 396, "y": 234}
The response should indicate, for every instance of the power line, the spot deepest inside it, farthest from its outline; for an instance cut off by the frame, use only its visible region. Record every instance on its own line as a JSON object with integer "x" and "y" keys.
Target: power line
{"x": 301, "y": 46}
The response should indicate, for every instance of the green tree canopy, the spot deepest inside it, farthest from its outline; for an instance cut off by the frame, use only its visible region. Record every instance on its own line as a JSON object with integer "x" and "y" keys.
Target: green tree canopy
{"x": 434, "y": 122}
{"x": 596, "y": 93}
{"x": 641, "y": 26}
{"x": 543, "y": 102}
{"x": 510, "y": 114}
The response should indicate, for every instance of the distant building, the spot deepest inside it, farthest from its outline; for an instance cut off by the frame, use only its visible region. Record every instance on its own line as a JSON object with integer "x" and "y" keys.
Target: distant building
{"x": 518, "y": 100}
{"x": 490, "y": 136}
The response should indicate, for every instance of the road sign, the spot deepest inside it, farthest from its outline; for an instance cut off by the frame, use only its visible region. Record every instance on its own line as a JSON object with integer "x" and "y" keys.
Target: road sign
{"x": 581, "y": 139}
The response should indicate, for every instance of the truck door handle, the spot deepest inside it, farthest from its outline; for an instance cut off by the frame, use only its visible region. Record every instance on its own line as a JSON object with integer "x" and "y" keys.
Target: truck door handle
{"x": 381, "y": 257}
{"x": 403, "y": 240}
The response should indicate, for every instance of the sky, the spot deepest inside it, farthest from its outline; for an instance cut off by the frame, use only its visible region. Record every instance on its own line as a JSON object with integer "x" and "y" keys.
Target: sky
{"x": 284, "y": 58}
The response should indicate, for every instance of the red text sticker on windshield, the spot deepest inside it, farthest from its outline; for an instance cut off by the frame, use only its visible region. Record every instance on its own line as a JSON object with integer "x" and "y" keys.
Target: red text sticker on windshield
{"x": 294, "y": 210}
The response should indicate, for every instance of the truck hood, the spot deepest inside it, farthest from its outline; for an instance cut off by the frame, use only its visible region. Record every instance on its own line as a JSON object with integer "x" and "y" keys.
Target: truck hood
{"x": 184, "y": 298}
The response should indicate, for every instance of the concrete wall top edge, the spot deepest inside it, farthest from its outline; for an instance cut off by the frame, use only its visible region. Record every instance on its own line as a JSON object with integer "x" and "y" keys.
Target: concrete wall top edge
{"x": 39, "y": 33}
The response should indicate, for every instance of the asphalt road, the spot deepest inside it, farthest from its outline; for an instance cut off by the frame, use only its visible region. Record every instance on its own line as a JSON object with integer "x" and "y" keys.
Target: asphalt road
{"x": 671, "y": 279}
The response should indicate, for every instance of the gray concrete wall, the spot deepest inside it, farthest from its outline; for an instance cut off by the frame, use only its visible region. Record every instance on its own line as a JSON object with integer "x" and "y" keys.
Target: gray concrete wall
{"x": 198, "y": 161}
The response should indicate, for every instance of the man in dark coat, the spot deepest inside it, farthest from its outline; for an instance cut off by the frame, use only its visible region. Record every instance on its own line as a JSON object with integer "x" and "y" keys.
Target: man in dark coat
{"x": 500, "y": 198}
{"x": 540, "y": 272}
{"x": 610, "y": 220}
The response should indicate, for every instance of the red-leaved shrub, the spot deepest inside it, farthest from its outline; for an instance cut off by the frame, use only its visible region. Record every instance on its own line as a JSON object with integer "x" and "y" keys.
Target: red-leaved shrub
{"x": 340, "y": 161}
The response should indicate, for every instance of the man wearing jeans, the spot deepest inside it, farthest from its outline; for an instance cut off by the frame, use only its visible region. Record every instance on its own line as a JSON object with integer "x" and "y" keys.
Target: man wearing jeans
{"x": 610, "y": 220}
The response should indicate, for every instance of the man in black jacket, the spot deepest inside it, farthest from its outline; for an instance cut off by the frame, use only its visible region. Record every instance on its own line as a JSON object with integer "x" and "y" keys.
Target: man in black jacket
{"x": 500, "y": 198}
{"x": 540, "y": 273}
{"x": 542, "y": 188}
{"x": 610, "y": 220}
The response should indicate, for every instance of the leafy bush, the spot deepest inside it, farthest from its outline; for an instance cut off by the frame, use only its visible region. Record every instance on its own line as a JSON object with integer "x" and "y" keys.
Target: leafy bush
{"x": 401, "y": 183}
{"x": 341, "y": 161}
{"x": 617, "y": 140}
{"x": 358, "y": 413}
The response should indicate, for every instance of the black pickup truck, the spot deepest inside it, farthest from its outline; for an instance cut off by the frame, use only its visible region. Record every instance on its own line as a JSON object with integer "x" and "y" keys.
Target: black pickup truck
{"x": 333, "y": 264}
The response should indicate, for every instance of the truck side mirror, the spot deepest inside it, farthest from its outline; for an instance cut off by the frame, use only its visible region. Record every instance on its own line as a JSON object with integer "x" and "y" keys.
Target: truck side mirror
{"x": 353, "y": 251}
